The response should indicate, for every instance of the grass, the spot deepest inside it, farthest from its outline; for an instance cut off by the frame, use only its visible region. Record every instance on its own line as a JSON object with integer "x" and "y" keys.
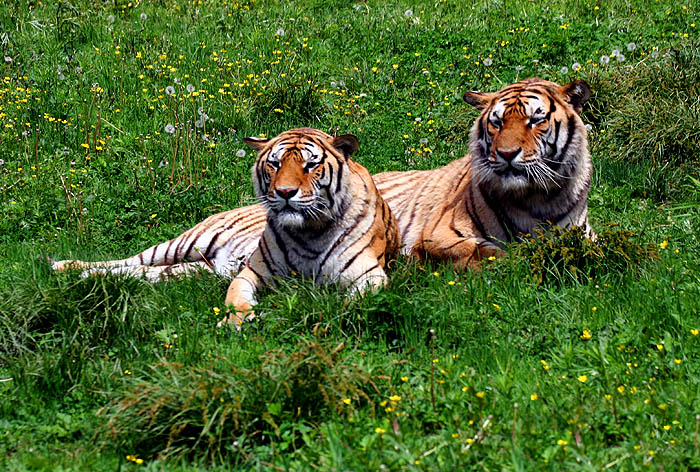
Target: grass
{"x": 567, "y": 355}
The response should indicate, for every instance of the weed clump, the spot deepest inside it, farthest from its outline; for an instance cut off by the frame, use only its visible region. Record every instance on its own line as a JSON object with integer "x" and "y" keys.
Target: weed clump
{"x": 199, "y": 411}
{"x": 566, "y": 253}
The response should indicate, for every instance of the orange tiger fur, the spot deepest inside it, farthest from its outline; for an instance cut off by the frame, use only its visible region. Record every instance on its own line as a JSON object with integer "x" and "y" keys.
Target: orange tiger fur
{"x": 462, "y": 212}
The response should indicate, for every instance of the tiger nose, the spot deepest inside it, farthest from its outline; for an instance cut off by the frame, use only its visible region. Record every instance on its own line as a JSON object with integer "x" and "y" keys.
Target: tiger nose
{"x": 508, "y": 155}
{"x": 286, "y": 192}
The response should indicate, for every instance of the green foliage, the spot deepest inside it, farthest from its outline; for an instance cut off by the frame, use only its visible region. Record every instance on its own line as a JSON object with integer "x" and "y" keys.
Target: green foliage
{"x": 653, "y": 109}
{"x": 176, "y": 409}
{"x": 596, "y": 342}
{"x": 560, "y": 254}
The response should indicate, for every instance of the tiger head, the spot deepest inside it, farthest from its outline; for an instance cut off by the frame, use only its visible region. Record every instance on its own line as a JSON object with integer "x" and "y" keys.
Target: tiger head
{"x": 529, "y": 136}
{"x": 298, "y": 176}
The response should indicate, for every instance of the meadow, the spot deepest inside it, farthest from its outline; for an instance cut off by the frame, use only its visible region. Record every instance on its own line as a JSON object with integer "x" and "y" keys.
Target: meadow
{"x": 121, "y": 125}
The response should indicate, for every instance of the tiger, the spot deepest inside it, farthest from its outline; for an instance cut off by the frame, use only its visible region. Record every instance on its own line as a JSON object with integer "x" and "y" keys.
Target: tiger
{"x": 528, "y": 166}
{"x": 324, "y": 220}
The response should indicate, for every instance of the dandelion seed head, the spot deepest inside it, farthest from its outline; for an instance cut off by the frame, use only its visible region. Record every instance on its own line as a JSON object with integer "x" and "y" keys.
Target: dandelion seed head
{"x": 575, "y": 66}
{"x": 519, "y": 68}
{"x": 240, "y": 153}
{"x": 620, "y": 57}
{"x": 654, "y": 54}
{"x": 423, "y": 140}
{"x": 488, "y": 61}
{"x": 408, "y": 13}
{"x": 564, "y": 70}
{"x": 190, "y": 88}
{"x": 279, "y": 32}
{"x": 2, "y": 162}
{"x": 110, "y": 19}
{"x": 589, "y": 126}
{"x": 604, "y": 59}
{"x": 8, "y": 59}
{"x": 333, "y": 84}
{"x": 615, "y": 52}
{"x": 169, "y": 128}
{"x": 144, "y": 17}
{"x": 199, "y": 123}
{"x": 170, "y": 90}
{"x": 631, "y": 46}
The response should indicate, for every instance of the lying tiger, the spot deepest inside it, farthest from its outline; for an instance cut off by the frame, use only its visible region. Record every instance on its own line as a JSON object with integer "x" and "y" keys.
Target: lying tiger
{"x": 325, "y": 220}
{"x": 528, "y": 166}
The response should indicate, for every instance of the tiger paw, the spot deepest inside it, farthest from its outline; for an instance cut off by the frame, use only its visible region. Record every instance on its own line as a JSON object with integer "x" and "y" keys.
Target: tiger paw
{"x": 62, "y": 266}
{"x": 237, "y": 318}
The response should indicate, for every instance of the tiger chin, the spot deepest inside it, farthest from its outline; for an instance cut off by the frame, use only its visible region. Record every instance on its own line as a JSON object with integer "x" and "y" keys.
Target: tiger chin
{"x": 325, "y": 218}
{"x": 528, "y": 167}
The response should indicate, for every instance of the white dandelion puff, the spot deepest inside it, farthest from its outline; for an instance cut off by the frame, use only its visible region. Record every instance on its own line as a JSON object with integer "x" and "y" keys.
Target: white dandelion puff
{"x": 654, "y": 54}
{"x": 177, "y": 81}
{"x": 620, "y": 57}
{"x": 170, "y": 90}
{"x": 575, "y": 66}
{"x": 8, "y": 59}
{"x": 110, "y": 19}
{"x": 169, "y": 128}
{"x": 199, "y": 123}
{"x": 2, "y": 162}
{"x": 408, "y": 13}
{"x": 362, "y": 95}
{"x": 631, "y": 46}
{"x": 604, "y": 59}
{"x": 589, "y": 126}
{"x": 615, "y": 52}
{"x": 488, "y": 61}
{"x": 144, "y": 17}
{"x": 333, "y": 84}
{"x": 423, "y": 141}
{"x": 190, "y": 88}
{"x": 519, "y": 68}
{"x": 240, "y": 153}
{"x": 564, "y": 70}
{"x": 279, "y": 32}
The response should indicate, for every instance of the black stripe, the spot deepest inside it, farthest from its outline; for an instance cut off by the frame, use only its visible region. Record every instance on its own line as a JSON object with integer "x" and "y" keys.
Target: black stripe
{"x": 475, "y": 218}
{"x": 211, "y": 243}
{"x": 569, "y": 138}
{"x": 352, "y": 259}
{"x": 365, "y": 272}
{"x": 340, "y": 239}
{"x": 282, "y": 247}
{"x": 266, "y": 257}
{"x": 340, "y": 177}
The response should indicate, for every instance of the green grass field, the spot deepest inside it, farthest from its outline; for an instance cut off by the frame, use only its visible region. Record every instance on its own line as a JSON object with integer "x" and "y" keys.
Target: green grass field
{"x": 121, "y": 125}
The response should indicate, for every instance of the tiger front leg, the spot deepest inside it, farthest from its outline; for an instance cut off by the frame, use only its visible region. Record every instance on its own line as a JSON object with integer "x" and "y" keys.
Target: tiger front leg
{"x": 464, "y": 253}
{"x": 240, "y": 299}
{"x": 364, "y": 273}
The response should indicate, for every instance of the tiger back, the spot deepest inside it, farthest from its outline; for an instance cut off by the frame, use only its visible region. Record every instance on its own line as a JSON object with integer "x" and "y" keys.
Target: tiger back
{"x": 325, "y": 218}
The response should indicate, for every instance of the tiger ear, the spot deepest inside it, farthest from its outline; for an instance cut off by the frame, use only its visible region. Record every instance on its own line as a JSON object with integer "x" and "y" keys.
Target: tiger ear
{"x": 256, "y": 143}
{"x": 480, "y": 100}
{"x": 347, "y": 144}
{"x": 576, "y": 93}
